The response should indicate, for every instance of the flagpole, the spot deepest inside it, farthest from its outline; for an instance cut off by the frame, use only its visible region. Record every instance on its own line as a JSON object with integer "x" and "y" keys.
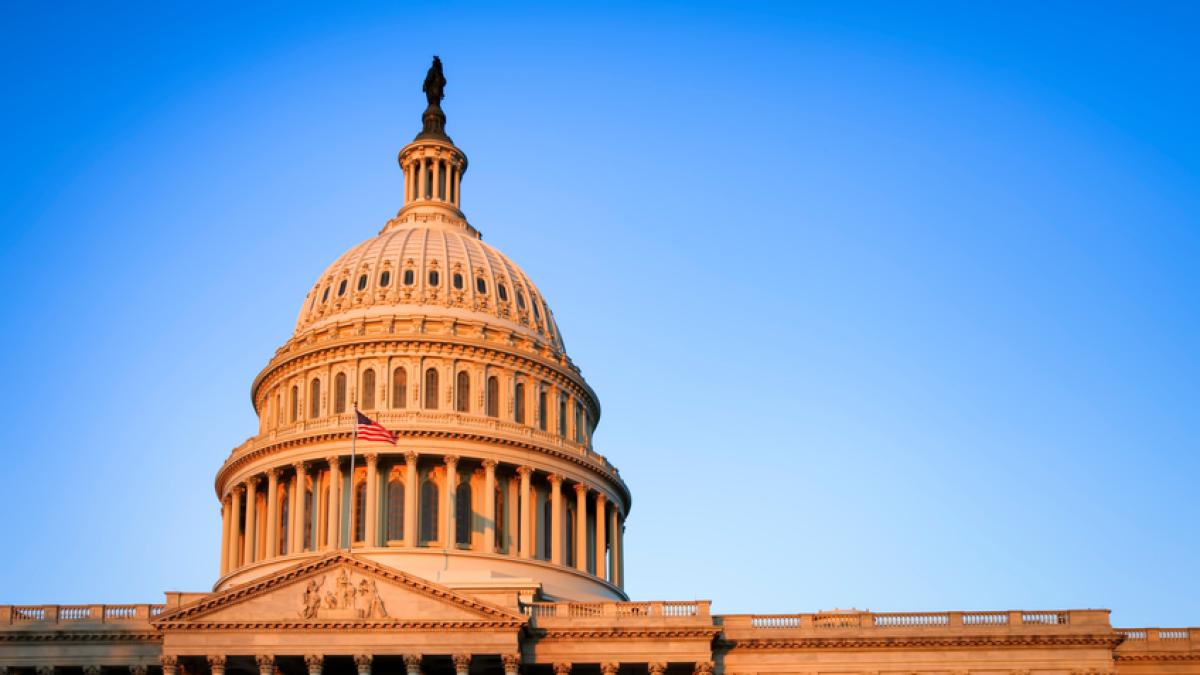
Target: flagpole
{"x": 353, "y": 500}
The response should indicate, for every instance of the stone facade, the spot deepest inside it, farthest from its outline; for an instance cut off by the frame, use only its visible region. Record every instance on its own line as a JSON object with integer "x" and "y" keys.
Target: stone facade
{"x": 488, "y": 536}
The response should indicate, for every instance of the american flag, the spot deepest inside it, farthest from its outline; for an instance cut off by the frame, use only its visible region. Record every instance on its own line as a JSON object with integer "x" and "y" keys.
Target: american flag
{"x": 370, "y": 430}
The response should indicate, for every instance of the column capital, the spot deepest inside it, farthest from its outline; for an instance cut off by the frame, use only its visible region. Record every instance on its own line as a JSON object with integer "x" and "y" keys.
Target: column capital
{"x": 91, "y": 669}
{"x": 138, "y": 669}
{"x": 609, "y": 668}
{"x": 411, "y": 457}
{"x": 450, "y": 460}
{"x": 314, "y": 660}
{"x": 265, "y": 661}
{"x": 601, "y": 498}
{"x": 562, "y": 668}
{"x": 276, "y": 472}
{"x": 238, "y": 490}
{"x": 49, "y": 670}
{"x": 412, "y": 660}
{"x": 581, "y": 489}
{"x": 363, "y": 660}
{"x": 334, "y": 460}
{"x": 167, "y": 661}
{"x": 656, "y": 668}
{"x": 216, "y": 660}
{"x": 461, "y": 661}
{"x": 703, "y": 668}
{"x": 511, "y": 662}
{"x": 555, "y": 479}
{"x": 489, "y": 464}
{"x": 524, "y": 471}
{"x": 371, "y": 458}
{"x": 254, "y": 480}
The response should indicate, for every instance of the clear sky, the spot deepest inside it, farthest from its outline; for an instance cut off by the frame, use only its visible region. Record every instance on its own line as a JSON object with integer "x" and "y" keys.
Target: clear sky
{"x": 890, "y": 306}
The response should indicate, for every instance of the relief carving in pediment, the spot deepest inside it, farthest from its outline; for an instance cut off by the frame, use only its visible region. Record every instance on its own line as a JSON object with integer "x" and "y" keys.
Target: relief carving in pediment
{"x": 347, "y": 597}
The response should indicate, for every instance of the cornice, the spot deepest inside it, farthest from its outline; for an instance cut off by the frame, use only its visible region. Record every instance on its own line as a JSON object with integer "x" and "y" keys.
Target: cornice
{"x": 1159, "y": 656}
{"x": 1106, "y": 640}
{"x": 356, "y": 625}
{"x": 626, "y": 633}
{"x": 73, "y": 636}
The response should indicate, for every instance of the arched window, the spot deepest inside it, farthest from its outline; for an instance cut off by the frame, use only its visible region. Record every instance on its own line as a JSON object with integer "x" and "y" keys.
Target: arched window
{"x": 310, "y": 507}
{"x": 519, "y": 403}
{"x": 462, "y": 392}
{"x": 360, "y": 511}
{"x": 429, "y": 511}
{"x": 342, "y": 288}
{"x": 431, "y": 389}
{"x": 480, "y": 285}
{"x": 295, "y": 403}
{"x": 520, "y": 300}
{"x": 281, "y": 526}
{"x": 314, "y": 398}
{"x": 569, "y": 517}
{"x": 434, "y": 278}
{"x": 493, "y": 396}
{"x": 408, "y": 277}
{"x": 368, "y": 389}
{"x": 395, "y": 509}
{"x": 339, "y": 393}
{"x": 462, "y": 515}
{"x": 501, "y": 519}
{"x": 542, "y": 410}
{"x": 502, "y": 291}
{"x": 385, "y": 278}
{"x": 562, "y": 415}
{"x": 579, "y": 422}
{"x": 325, "y": 295}
{"x": 547, "y": 529}
{"x": 399, "y": 388}
{"x": 362, "y": 282}
{"x": 458, "y": 281}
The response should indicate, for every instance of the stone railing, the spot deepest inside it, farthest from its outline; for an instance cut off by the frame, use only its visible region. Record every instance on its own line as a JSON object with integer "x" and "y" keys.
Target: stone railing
{"x": 855, "y": 621}
{"x": 23, "y": 615}
{"x": 1159, "y": 640}
{"x": 620, "y": 612}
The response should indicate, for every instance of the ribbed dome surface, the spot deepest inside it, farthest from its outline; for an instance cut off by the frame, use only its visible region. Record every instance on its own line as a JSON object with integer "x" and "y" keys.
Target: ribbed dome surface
{"x": 432, "y": 272}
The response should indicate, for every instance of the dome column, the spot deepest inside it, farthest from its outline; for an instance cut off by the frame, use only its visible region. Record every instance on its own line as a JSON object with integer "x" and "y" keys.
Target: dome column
{"x": 614, "y": 576}
{"x": 411, "y": 490}
{"x": 581, "y": 555}
{"x": 251, "y": 520}
{"x": 296, "y": 509}
{"x": 525, "y": 522}
{"x": 489, "y": 506}
{"x": 273, "y": 512}
{"x": 601, "y": 539}
{"x": 226, "y": 518}
{"x": 335, "y": 502}
{"x": 449, "y": 501}
{"x": 235, "y": 528}
{"x": 556, "y": 520}
{"x": 372, "y": 507}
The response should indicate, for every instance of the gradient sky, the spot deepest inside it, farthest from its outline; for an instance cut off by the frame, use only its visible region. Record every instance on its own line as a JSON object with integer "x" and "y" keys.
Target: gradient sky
{"x": 890, "y": 306}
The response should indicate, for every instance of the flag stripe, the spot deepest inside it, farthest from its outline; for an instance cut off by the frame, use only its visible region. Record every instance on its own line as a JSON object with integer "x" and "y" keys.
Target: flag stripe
{"x": 370, "y": 430}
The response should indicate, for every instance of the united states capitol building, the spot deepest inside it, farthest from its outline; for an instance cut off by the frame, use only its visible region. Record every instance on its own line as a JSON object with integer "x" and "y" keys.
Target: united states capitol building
{"x": 490, "y": 537}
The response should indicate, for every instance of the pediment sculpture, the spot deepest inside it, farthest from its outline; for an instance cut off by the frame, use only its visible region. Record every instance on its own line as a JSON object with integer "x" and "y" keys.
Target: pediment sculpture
{"x": 343, "y": 599}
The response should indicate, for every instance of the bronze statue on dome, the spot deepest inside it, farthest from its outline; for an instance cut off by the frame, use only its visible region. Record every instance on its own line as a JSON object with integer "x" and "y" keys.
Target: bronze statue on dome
{"x": 435, "y": 83}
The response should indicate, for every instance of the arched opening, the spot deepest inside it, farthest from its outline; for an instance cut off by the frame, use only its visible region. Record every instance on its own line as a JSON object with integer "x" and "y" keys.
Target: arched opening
{"x": 360, "y": 511}
{"x": 339, "y": 393}
{"x": 462, "y": 515}
{"x": 367, "y": 397}
{"x": 519, "y": 403}
{"x": 493, "y": 396}
{"x": 295, "y": 403}
{"x": 569, "y": 516}
{"x": 284, "y": 511}
{"x": 501, "y": 517}
{"x": 310, "y": 507}
{"x": 429, "y": 511}
{"x": 399, "y": 388}
{"x": 562, "y": 415}
{"x": 314, "y": 399}
{"x": 395, "y": 509}
{"x": 542, "y": 410}
{"x": 462, "y": 392}
{"x": 547, "y": 529}
{"x": 431, "y": 389}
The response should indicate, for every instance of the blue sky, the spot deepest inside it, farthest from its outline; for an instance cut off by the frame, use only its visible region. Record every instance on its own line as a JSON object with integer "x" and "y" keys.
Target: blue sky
{"x": 889, "y": 306}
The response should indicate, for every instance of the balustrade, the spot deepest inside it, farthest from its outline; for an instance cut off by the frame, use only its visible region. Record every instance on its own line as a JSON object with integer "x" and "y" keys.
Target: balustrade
{"x": 23, "y": 614}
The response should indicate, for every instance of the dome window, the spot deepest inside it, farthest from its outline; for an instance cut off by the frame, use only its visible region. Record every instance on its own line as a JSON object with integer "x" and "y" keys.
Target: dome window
{"x": 385, "y": 279}
{"x": 480, "y": 285}
{"x": 458, "y": 281}
{"x": 434, "y": 278}
{"x": 502, "y": 291}
{"x": 520, "y": 300}
{"x": 362, "y": 282}
{"x": 325, "y": 295}
{"x": 409, "y": 278}
{"x": 342, "y": 288}
{"x": 536, "y": 313}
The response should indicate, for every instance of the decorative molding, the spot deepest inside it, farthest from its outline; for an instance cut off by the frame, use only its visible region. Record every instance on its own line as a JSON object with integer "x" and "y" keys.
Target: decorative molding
{"x": 609, "y": 668}
{"x": 1106, "y": 640}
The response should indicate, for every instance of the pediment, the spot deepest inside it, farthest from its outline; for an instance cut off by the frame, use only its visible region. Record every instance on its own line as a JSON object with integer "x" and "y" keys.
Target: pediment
{"x": 339, "y": 589}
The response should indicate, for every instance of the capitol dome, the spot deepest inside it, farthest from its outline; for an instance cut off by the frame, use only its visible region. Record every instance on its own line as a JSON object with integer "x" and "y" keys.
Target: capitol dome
{"x": 484, "y": 474}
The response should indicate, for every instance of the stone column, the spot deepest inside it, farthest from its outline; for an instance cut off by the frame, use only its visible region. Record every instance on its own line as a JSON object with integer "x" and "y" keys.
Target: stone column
{"x": 251, "y": 520}
{"x": 266, "y": 664}
{"x": 226, "y": 519}
{"x": 489, "y": 505}
{"x": 372, "y": 499}
{"x": 314, "y": 662}
{"x": 462, "y": 664}
{"x": 335, "y": 502}
{"x": 613, "y": 576}
{"x": 363, "y": 663}
{"x": 273, "y": 512}
{"x": 556, "y": 520}
{"x": 609, "y": 668}
{"x": 526, "y": 518}
{"x": 601, "y": 539}
{"x": 216, "y": 663}
{"x": 512, "y": 663}
{"x": 621, "y": 551}
{"x": 562, "y": 668}
{"x": 170, "y": 665}
{"x": 235, "y": 531}
{"x": 411, "y": 491}
{"x": 581, "y": 556}
{"x": 448, "y": 500}
{"x": 296, "y": 542}
{"x": 412, "y": 664}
